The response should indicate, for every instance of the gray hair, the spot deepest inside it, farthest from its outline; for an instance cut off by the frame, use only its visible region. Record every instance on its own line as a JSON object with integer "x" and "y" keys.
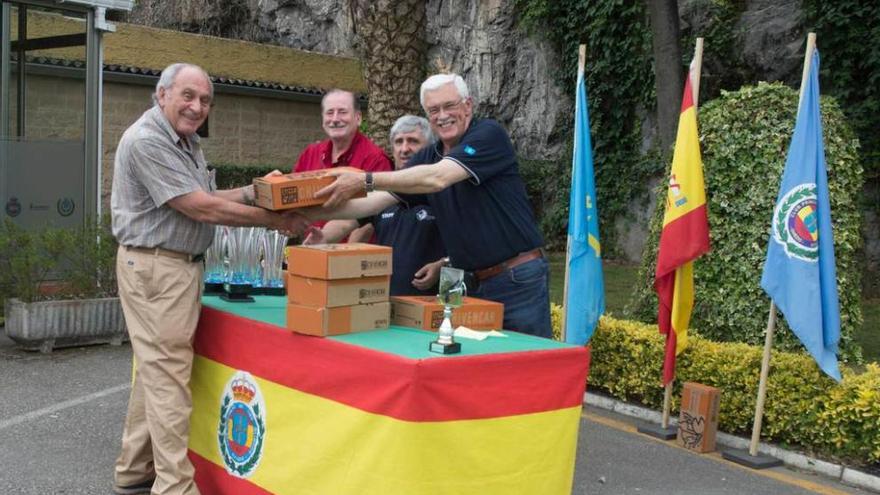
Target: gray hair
{"x": 355, "y": 103}
{"x": 410, "y": 123}
{"x": 434, "y": 82}
{"x": 169, "y": 74}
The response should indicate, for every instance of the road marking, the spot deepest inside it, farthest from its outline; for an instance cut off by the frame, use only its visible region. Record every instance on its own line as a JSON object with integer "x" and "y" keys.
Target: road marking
{"x": 716, "y": 456}
{"x": 23, "y": 418}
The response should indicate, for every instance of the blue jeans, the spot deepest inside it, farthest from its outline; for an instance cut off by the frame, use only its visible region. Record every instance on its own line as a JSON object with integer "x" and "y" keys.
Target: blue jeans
{"x": 525, "y": 294}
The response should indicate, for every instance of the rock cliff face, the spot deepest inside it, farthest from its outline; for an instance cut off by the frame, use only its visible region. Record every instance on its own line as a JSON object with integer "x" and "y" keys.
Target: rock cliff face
{"x": 510, "y": 75}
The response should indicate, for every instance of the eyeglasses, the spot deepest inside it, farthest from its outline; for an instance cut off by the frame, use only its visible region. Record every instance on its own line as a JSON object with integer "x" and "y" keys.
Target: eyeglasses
{"x": 447, "y": 107}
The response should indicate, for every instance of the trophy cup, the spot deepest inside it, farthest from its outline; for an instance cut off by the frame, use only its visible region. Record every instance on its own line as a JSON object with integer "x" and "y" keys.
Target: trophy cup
{"x": 274, "y": 243}
{"x": 215, "y": 269}
{"x": 451, "y": 294}
{"x": 238, "y": 276}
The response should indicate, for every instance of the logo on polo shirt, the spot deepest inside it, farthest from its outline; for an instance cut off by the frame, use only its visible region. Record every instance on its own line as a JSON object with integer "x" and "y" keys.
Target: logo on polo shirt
{"x": 469, "y": 150}
{"x": 242, "y": 427}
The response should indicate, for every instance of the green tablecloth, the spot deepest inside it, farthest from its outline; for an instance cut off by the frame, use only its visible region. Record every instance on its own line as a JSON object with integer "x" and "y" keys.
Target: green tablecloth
{"x": 403, "y": 341}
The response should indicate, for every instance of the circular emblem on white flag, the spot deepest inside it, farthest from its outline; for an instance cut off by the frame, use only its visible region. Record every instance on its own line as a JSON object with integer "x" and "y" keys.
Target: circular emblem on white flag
{"x": 242, "y": 428}
{"x": 796, "y": 223}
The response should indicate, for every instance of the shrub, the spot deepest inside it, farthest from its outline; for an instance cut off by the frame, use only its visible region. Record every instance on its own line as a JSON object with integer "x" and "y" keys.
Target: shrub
{"x": 745, "y": 137}
{"x": 803, "y": 407}
{"x": 230, "y": 175}
{"x": 82, "y": 259}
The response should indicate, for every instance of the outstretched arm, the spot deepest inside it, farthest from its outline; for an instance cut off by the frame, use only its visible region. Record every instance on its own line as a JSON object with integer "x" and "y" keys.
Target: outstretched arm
{"x": 419, "y": 179}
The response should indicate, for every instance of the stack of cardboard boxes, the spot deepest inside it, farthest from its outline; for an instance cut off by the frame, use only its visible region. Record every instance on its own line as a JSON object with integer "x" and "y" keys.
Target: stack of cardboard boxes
{"x": 334, "y": 289}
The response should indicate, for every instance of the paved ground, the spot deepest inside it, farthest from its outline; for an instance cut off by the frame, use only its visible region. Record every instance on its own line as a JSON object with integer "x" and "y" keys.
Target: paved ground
{"x": 61, "y": 416}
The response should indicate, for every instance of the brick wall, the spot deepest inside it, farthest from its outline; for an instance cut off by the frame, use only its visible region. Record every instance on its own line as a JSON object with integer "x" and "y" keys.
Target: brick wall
{"x": 243, "y": 130}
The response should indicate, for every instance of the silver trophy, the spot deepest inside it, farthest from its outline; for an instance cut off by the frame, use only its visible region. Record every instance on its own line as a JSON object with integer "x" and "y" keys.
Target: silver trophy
{"x": 451, "y": 294}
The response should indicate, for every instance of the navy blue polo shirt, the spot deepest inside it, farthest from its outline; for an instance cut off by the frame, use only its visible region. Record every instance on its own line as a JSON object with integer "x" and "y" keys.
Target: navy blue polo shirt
{"x": 413, "y": 234}
{"x": 486, "y": 219}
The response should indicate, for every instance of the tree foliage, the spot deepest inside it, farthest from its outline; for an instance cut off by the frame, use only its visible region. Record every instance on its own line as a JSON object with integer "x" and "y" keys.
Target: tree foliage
{"x": 745, "y": 137}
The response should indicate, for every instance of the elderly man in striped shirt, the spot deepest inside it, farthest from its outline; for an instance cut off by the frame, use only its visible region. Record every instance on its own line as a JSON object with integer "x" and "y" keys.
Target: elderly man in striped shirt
{"x": 165, "y": 205}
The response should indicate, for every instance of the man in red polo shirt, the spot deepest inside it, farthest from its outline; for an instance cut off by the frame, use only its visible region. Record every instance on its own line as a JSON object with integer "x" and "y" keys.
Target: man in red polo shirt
{"x": 345, "y": 146}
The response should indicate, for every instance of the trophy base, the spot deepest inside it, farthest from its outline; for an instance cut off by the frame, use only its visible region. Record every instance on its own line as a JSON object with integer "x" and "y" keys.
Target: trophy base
{"x": 453, "y": 348}
{"x": 272, "y": 291}
{"x": 212, "y": 288}
{"x": 236, "y": 293}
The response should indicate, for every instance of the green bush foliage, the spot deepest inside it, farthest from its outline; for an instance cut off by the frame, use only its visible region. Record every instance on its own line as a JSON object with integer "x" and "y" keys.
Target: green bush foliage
{"x": 745, "y": 137}
{"x": 851, "y": 67}
{"x": 81, "y": 259}
{"x": 620, "y": 89}
{"x": 803, "y": 407}
{"x": 230, "y": 175}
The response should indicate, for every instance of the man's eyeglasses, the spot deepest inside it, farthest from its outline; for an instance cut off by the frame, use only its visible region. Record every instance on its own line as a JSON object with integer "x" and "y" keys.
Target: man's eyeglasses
{"x": 446, "y": 107}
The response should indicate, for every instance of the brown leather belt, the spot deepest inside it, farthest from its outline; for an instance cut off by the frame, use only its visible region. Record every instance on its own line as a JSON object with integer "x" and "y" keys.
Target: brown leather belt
{"x": 508, "y": 264}
{"x": 191, "y": 258}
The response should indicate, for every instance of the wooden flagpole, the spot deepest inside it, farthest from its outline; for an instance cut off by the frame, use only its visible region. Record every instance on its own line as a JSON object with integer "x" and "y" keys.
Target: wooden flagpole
{"x": 582, "y": 61}
{"x": 694, "y": 74}
{"x": 771, "y": 319}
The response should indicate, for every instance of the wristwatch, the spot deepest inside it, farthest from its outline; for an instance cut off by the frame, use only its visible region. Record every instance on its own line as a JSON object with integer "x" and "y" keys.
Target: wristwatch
{"x": 368, "y": 182}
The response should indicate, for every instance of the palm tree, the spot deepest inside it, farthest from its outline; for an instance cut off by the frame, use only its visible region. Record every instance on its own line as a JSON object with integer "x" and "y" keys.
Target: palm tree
{"x": 390, "y": 36}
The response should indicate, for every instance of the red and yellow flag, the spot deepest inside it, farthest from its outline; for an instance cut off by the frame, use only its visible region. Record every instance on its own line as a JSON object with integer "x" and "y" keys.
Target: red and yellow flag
{"x": 685, "y": 236}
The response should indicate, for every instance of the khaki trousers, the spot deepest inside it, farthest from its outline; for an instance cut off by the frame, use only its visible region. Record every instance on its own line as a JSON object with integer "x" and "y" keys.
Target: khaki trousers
{"x": 161, "y": 301}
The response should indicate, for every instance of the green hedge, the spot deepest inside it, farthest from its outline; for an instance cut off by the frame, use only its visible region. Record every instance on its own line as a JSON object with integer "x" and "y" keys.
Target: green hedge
{"x": 803, "y": 407}
{"x": 745, "y": 137}
{"x": 230, "y": 175}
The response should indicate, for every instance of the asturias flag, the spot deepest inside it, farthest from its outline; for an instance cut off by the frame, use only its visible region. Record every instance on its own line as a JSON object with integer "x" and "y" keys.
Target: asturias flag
{"x": 585, "y": 300}
{"x": 799, "y": 273}
{"x": 685, "y": 236}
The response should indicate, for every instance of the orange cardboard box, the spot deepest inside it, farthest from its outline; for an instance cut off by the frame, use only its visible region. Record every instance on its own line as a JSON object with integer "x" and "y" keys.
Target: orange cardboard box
{"x": 698, "y": 423}
{"x": 295, "y": 190}
{"x": 333, "y": 293}
{"x": 337, "y": 321}
{"x": 335, "y": 261}
{"x": 426, "y": 312}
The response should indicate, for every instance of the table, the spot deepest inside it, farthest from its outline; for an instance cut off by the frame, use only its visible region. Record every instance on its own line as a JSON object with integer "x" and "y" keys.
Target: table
{"x": 375, "y": 412}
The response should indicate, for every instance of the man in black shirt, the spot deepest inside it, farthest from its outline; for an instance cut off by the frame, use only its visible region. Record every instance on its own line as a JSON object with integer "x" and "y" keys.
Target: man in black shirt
{"x": 412, "y": 232}
{"x": 471, "y": 180}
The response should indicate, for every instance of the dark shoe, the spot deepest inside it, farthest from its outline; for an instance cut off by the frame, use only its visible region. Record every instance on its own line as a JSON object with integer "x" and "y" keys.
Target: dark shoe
{"x": 138, "y": 488}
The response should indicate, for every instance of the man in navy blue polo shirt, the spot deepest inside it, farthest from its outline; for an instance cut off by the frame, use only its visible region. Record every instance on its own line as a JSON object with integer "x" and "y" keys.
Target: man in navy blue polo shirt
{"x": 412, "y": 232}
{"x": 471, "y": 180}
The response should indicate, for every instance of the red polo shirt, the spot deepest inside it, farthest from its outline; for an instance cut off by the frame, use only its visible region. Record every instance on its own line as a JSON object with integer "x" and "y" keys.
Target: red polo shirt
{"x": 362, "y": 154}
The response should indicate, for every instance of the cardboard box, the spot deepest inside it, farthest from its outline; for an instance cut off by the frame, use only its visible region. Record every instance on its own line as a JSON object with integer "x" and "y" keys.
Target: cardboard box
{"x": 698, "y": 423}
{"x": 295, "y": 190}
{"x": 335, "y": 261}
{"x": 334, "y": 293}
{"x": 322, "y": 322}
{"x": 426, "y": 312}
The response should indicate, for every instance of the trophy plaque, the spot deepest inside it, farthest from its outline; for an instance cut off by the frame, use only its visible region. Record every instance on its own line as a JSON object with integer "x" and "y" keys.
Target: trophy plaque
{"x": 451, "y": 293}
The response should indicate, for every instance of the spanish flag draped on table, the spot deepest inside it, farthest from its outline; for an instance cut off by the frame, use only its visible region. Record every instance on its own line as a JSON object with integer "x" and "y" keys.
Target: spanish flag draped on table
{"x": 375, "y": 412}
{"x": 685, "y": 235}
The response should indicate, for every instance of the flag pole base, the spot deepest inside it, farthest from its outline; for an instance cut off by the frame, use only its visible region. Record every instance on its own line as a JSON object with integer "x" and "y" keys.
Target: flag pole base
{"x": 742, "y": 457}
{"x": 658, "y": 431}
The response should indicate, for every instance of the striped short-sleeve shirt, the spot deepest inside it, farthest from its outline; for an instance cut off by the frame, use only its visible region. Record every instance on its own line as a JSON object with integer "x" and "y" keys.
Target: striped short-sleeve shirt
{"x": 153, "y": 165}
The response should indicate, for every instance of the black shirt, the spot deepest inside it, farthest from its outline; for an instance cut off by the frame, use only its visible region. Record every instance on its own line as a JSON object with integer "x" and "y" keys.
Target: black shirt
{"x": 413, "y": 235}
{"x": 486, "y": 219}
